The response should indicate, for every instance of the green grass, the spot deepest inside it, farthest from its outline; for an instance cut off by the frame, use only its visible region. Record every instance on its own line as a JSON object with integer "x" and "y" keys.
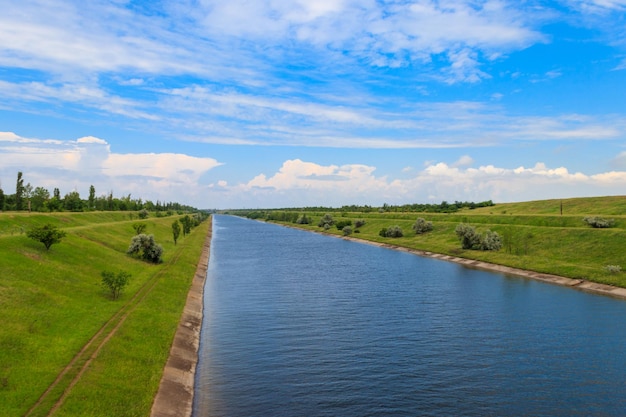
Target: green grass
{"x": 52, "y": 303}
{"x": 541, "y": 239}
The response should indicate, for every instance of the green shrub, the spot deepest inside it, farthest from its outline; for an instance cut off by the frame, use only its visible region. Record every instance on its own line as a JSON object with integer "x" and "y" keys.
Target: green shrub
{"x": 359, "y": 223}
{"x": 343, "y": 223}
{"x": 613, "y": 269}
{"x": 146, "y": 248}
{"x": 599, "y": 222}
{"x": 422, "y": 226}
{"x": 326, "y": 220}
{"x": 471, "y": 239}
{"x": 391, "y": 231}
{"x": 303, "y": 219}
{"x": 115, "y": 283}
{"x": 347, "y": 230}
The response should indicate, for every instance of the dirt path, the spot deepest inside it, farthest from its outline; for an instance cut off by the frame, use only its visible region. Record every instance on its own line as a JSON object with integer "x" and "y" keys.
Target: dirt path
{"x": 175, "y": 395}
{"x": 55, "y": 394}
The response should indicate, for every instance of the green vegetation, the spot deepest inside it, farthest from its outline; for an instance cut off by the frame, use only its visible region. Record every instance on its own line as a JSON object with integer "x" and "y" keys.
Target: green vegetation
{"x": 145, "y": 247}
{"x": 46, "y": 234}
{"x": 534, "y": 235}
{"x": 115, "y": 283}
{"x": 55, "y": 316}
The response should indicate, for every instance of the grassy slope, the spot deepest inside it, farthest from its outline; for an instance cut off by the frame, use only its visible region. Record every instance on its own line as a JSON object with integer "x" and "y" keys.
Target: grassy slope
{"x": 52, "y": 303}
{"x": 537, "y": 237}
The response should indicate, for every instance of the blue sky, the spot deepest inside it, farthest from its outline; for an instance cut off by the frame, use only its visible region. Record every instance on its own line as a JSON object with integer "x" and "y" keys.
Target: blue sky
{"x": 288, "y": 103}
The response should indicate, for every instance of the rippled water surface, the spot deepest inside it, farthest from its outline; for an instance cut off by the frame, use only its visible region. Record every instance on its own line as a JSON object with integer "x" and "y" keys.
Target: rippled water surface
{"x": 300, "y": 324}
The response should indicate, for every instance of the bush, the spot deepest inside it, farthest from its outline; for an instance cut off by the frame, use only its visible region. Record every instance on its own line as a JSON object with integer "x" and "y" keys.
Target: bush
{"x": 391, "y": 231}
{"x": 303, "y": 220}
{"x": 359, "y": 223}
{"x": 47, "y": 234}
{"x": 422, "y": 226}
{"x": 326, "y": 220}
{"x": 115, "y": 283}
{"x": 343, "y": 223}
{"x": 146, "y": 248}
{"x": 347, "y": 230}
{"x": 613, "y": 269}
{"x": 599, "y": 222}
{"x": 471, "y": 239}
{"x": 143, "y": 214}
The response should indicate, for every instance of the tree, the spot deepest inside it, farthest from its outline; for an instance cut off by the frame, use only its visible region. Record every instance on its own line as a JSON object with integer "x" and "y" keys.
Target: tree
{"x": 115, "y": 283}
{"x": 422, "y": 226}
{"x": 72, "y": 201}
{"x": 186, "y": 222}
{"x": 91, "y": 204}
{"x": 139, "y": 228}
{"x": 175, "y": 230}
{"x": 39, "y": 198}
{"x": 2, "y": 200}
{"x": 28, "y": 193}
{"x": 19, "y": 192}
{"x": 47, "y": 234}
{"x": 146, "y": 248}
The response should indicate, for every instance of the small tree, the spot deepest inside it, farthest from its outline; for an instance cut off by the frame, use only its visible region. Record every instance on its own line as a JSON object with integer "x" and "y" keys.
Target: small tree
{"x": 422, "y": 226}
{"x": 175, "y": 230}
{"x": 347, "y": 230}
{"x": 146, "y": 248}
{"x": 139, "y": 228}
{"x": 47, "y": 234}
{"x": 187, "y": 224}
{"x": 115, "y": 283}
{"x": 359, "y": 223}
{"x": 143, "y": 214}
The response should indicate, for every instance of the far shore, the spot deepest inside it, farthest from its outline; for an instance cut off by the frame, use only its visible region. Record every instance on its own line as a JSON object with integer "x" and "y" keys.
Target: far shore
{"x": 580, "y": 284}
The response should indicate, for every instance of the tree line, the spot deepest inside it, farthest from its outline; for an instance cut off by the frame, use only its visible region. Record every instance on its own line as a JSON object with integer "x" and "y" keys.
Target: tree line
{"x": 39, "y": 199}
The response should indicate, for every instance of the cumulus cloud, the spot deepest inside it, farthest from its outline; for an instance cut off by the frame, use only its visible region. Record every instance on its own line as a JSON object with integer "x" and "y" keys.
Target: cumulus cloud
{"x": 77, "y": 164}
{"x": 300, "y": 183}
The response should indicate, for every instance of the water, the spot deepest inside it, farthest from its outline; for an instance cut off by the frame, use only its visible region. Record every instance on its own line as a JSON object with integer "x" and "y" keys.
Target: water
{"x": 300, "y": 324}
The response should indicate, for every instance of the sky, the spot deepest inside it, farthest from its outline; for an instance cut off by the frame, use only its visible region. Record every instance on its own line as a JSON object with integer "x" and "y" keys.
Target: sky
{"x": 293, "y": 103}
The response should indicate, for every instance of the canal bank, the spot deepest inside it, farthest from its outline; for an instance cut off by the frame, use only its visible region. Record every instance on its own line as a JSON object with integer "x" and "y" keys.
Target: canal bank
{"x": 176, "y": 390}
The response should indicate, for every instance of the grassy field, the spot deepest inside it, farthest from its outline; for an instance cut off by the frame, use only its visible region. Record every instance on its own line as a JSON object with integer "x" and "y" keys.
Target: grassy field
{"x": 536, "y": 236}
{"x": 53, "y": 306}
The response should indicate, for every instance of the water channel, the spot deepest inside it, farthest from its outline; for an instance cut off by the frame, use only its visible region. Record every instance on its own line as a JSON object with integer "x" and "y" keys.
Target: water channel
{"x": 302, "y": 324}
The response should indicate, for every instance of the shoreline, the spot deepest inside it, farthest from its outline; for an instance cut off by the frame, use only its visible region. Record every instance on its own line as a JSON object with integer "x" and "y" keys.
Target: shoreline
{"x": 580, "y": 284}
{"x": 575, "y": 283}
{"x": 174, "y": 397}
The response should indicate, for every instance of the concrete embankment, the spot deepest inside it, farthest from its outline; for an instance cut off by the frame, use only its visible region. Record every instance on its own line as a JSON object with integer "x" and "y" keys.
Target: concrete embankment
{"x": 175, "y": 395}
{"x": 553, "y": 279}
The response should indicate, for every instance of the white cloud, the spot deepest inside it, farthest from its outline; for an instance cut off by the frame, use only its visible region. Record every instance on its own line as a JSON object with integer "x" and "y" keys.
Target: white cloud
{"x": 300, "y": 183}
{"x": 89, "y": 160}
